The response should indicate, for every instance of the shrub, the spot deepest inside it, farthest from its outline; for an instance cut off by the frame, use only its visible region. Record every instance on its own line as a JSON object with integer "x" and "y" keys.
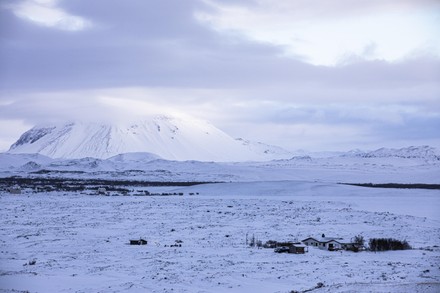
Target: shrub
{"x": 383, "y": 244}
{"x": 270, "y": 244}
{"x": 358, "y": 243}
{"x": 359, "y": 240}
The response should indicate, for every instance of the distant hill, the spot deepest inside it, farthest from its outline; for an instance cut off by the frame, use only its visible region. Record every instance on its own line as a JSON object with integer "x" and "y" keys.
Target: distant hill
{"x": 413, "y": 152}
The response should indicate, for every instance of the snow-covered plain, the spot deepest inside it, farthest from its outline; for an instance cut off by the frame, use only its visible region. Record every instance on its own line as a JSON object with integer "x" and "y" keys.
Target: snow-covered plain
{"x": 80, "y": 242}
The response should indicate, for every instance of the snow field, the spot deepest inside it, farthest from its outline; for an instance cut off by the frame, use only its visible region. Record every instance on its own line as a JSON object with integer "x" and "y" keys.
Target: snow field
{"x": 80, "y": 243}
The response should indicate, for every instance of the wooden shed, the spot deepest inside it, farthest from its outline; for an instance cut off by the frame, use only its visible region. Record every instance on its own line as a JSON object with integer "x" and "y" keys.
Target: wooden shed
{"x": 298, "y": 248}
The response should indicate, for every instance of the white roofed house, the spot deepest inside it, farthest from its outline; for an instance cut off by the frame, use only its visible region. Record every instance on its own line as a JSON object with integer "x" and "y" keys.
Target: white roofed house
{"x": 329, "y": 243}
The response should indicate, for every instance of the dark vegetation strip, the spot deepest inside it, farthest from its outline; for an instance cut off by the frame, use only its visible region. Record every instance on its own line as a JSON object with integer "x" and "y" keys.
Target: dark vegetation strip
{"x": 24, "y": 180}
{"x": 69, "y": 184}
{"x": 396, "y": 185}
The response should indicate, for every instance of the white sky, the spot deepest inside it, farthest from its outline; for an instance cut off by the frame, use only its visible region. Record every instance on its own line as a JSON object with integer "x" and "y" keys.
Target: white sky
{"x": 327, "y": 36}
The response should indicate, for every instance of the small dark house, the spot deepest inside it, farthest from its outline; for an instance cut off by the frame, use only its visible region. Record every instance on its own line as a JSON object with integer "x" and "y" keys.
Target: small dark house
{"x": 138, "y": 242}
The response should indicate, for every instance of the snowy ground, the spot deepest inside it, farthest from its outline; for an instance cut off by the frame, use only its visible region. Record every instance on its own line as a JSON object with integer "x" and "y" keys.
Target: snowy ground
{"x": 80, "y": 242}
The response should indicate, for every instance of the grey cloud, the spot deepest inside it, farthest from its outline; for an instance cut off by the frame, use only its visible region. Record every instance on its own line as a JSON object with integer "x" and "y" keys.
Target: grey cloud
{"x": 148, "y": 45}
{"x": 55, "y": 108}
{"x": 159, "y": 43}
{"x": 414, "y": 127}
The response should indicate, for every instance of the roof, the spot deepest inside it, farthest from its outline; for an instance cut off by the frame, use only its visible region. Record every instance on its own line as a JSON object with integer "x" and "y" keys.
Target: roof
{"x": 328, "y": 239}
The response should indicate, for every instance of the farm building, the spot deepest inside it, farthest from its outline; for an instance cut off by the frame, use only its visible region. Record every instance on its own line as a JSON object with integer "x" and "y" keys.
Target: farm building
{"x": 15, "y": 190}
{"x": 329, "y": 243}
{"x": 287, "y": 247}
{"x": 102, "y": 190}
{"x": 138, "y": 242}
{"x": 298, "y": 248}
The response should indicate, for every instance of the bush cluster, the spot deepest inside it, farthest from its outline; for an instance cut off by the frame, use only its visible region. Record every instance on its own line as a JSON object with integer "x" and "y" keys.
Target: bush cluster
{"x": 383, "y": 244}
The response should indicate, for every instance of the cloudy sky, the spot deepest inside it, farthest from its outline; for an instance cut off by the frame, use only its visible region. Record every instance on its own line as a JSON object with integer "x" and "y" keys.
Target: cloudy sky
{"x": 302, "y": 74}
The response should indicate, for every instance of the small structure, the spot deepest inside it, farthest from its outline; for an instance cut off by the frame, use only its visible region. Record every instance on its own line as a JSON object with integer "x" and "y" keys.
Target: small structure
{"x": 288, "y": 247}
{"x": 102, "y": 190}
{"x": 15, "y": 190}
{"x": 329, "y": 243}
{"x": 138, "y": 242}
{"x": 298, "y": 248}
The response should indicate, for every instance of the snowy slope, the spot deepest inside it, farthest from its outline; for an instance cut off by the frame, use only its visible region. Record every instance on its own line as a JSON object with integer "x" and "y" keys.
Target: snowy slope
{"x": 166, "y": 137}
{"x": 271, "y": 150}
{"x": 23, "y": 161}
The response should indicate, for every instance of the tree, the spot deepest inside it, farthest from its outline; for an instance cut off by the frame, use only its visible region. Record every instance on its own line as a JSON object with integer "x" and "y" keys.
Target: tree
{"x": 359, "y": 241}
{"x": 252, "y": 241}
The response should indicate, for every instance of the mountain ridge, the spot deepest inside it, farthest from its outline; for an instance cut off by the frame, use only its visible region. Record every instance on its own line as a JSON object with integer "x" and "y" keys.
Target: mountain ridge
{"x": 412, "y": 152}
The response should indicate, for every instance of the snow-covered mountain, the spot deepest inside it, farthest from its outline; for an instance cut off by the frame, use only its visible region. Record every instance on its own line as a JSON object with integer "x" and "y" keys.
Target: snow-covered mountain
{"x": 26, "y": 161}
{"x": 165, "y": 137}
{"x": 413, "y": 152}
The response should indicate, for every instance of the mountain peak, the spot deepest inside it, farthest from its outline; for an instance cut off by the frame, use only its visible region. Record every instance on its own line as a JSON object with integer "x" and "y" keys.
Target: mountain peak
{"x": 171, "y": 138}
